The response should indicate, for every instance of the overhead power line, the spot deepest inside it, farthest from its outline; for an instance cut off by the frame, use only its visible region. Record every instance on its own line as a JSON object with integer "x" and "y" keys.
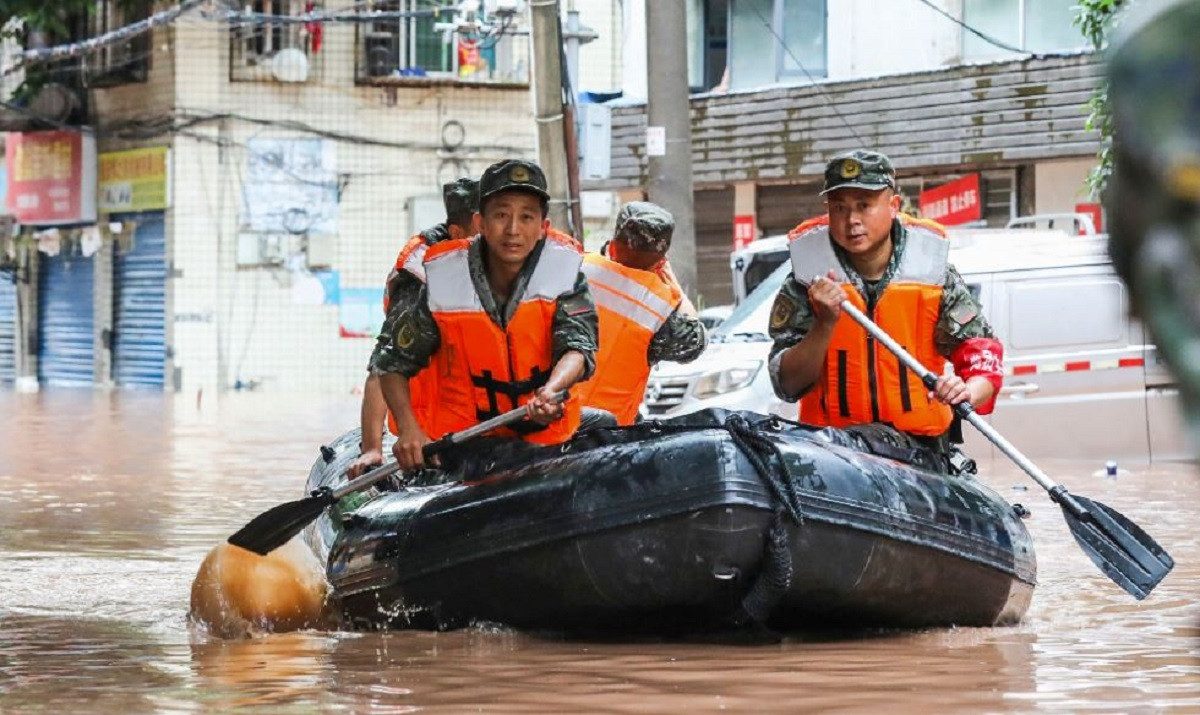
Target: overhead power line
{"x": 75, "y": 49}
{"x": 811, "y": 79}
{"x": 985, "y": 37}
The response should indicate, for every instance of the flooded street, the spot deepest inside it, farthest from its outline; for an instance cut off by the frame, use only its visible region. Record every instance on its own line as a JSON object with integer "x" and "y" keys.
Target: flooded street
{"x": 110, "y": 502}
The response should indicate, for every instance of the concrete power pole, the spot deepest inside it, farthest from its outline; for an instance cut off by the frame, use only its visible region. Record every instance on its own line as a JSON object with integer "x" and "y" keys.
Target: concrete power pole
{"x": 548, "y": 105}
{"x": 669, "y": 174}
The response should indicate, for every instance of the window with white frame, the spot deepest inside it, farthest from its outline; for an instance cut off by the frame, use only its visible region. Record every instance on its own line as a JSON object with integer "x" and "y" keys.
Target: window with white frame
{"x": 776, "y": 42}
{"x": 258, "y": 40}
{"x": 417, "y": 45}
{"x": 1027, "y": 25}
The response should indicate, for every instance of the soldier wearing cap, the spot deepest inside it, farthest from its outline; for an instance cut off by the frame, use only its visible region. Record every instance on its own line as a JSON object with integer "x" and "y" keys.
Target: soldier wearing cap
{"x": 894, "y": 268}
{"x": 505, "y": 319}
{"x": 461, "y": 199}
{"x": 644, "y": 315}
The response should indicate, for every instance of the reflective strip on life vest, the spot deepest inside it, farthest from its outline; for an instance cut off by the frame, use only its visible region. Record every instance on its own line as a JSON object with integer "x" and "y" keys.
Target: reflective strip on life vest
{"x": 604, "y": 297}
{"x": 619, "y": 284}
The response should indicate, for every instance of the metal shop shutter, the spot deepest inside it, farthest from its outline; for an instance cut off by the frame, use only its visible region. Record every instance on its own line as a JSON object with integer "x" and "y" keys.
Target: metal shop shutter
{"x": 8, "y": 328}
{"x": 782, "y": 207}
{"x": 714, "y": 243}
{"x": 139, "y": 306}
{"x": 65, "y": 347}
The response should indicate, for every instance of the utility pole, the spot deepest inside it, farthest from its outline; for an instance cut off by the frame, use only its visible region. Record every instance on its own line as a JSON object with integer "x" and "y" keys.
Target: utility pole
{"x": 548, "y": 106}
{"x": 669, "y": 174}
{"x": 575, "y": 36}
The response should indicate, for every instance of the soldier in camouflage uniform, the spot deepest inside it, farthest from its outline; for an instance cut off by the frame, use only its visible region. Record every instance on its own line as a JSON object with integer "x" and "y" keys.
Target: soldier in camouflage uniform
{"x": 461, "y": 199}
{"x": 1153, "y": 196}
{"x": 869, "y": 238}
{"x": 415, "y": 337}
{"x": 644, "y": 315}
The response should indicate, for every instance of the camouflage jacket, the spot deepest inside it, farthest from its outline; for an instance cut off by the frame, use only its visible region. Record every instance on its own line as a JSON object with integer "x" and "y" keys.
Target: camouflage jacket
{"x": 410, "y": 335}
{"x": 959, "y": 319}
{"x": 681, "y": 339}
{"x": 403, "y": 286}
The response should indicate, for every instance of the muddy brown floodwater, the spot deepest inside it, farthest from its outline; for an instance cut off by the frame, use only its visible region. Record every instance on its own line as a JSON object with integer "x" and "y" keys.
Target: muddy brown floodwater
{"x": 108, "y": 503}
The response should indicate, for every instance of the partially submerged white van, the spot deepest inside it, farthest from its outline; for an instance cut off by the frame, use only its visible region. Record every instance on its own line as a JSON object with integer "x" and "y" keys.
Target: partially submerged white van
{"x": 1082, "y": 381}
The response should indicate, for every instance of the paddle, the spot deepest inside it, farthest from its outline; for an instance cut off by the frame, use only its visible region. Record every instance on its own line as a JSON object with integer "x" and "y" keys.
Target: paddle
{"x": 1124, "y": 552}
{"x": 276, "y": 526}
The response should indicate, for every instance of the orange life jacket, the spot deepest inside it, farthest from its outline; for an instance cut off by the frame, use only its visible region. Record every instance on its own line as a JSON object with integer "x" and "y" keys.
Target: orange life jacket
{"x": 482, "y": 369}
{"x": 632, "y": 305}
{"x": 422, "y": 387}
{"x": 861, "y": 380}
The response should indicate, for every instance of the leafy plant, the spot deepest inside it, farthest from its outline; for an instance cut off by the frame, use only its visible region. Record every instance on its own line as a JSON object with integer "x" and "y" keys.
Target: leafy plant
{"x": 1096, "y": 20}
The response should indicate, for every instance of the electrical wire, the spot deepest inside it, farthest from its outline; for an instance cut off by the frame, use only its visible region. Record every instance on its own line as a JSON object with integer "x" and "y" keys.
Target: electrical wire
{"x": 832, "y": 102}
{"x": 986, "y": 38}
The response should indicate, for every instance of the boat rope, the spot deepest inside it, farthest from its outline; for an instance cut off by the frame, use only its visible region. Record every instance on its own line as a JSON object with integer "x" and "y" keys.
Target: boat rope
{"x": 775, "y": 576}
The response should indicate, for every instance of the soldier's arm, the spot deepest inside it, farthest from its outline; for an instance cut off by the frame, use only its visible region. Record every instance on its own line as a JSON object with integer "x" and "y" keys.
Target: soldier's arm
{"x": 965, "y": 338}
{"x": 681, "y": 339}
{"x": 402, "y": 288}
{"x": 405, "y": 352}
{"x": 799, "y": 343}
{"x": 576, "y": 328}
{"x": 686, "y": 307}
{"x": 410, "y": 335}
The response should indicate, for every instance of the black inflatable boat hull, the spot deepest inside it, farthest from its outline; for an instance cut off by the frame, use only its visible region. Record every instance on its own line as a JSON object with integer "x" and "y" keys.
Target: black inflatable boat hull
{"x": 668, "y": 528}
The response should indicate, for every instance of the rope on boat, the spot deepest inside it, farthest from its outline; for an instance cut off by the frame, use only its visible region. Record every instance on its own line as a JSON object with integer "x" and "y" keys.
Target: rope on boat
{"x": 775, "y": 576}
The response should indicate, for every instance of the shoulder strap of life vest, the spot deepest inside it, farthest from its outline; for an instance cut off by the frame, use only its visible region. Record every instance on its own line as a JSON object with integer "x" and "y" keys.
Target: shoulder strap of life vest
{"x": 412, "y": 257}
{"x": 812, "y": 251}
{"x": 926, "y": 255}
{"x": 448, "y": 276}
{"x": 556, "y": 270}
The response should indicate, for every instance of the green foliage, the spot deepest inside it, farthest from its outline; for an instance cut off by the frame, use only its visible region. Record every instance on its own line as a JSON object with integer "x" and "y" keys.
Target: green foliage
{"x": 40, "y": 15}
{"x": 1095, "y": 20}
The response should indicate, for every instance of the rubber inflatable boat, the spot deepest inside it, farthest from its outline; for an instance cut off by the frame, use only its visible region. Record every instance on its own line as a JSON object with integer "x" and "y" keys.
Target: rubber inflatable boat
{"x": 704, "y": 522}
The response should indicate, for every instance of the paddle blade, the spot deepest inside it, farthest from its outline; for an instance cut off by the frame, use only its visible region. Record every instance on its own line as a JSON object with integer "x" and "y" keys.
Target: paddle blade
{"x": 1124, "y": 552}
{"x": 276, "y": 526}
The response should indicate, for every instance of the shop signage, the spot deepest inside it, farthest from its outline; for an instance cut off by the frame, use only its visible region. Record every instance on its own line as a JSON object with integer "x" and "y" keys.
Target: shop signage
{"x": 1097, "y": 214}
{"x": 743, "y": 231}
{"x": 51, "y": 177}
{"x": 134, "y": 180}
{"x": 953, "y": 203}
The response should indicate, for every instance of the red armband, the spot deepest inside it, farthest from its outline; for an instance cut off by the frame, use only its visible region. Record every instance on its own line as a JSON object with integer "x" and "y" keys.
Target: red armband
{"x": 981, "y": 357}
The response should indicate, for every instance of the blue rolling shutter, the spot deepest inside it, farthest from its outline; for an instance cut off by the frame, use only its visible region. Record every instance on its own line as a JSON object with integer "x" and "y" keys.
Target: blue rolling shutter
{"x": 8, "y": 328}
{"x": 139, "y": 304}
{"x": 65, "y": 349}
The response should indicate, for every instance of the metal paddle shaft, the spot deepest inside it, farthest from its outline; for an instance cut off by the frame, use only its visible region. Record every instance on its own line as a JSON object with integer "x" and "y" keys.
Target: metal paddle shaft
{"x": 278, "y": 525}
{"x": 1124, "y": 552}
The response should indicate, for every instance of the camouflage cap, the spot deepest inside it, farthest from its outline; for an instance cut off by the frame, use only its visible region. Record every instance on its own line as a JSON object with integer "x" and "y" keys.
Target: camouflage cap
{"x": 513, "y": 175}
{"x": 644, "y": 226}
{"x": 859, "y": 169}
{"x": 461, "y": 198}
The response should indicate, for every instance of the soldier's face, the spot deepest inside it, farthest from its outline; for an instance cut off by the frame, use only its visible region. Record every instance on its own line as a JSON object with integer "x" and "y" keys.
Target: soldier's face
{"x": 860, "y": 220}
{"x": 512, "y": 223}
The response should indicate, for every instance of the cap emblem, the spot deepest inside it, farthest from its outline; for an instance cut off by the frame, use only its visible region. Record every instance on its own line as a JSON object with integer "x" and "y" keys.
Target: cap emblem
{"x": 851, "y": 169}
{"x": 520, "y": 174}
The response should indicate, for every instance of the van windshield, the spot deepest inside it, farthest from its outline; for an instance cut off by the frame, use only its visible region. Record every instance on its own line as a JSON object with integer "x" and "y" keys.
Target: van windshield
{"x": 750, "y": 320}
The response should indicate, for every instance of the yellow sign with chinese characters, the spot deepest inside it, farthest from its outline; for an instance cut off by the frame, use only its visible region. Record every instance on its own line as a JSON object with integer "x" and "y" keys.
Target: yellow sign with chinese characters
{"x": 133, "y": 180}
